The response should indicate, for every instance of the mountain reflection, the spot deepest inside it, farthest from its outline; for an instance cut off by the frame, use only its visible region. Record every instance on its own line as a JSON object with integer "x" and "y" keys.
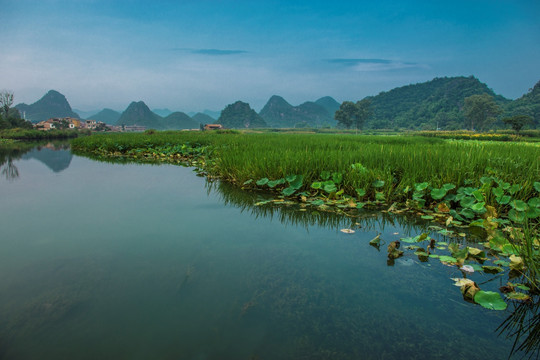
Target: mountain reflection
{"x": 56, "y": 156}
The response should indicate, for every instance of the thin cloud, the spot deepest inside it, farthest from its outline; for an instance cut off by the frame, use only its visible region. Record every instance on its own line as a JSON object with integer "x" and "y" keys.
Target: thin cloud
{"x": 368, "y": 65}
{"x": 213, "y": 52}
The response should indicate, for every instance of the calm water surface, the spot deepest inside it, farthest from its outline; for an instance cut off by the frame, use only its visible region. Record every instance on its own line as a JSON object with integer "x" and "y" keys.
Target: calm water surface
{"x": 108, "y": 261}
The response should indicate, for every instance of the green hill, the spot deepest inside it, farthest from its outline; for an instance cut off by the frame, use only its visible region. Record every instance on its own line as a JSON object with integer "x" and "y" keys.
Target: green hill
{"x": 528, "y": 104}
{"x": 279, "y": 113}
{"x": 137, "y": 113}
{"x": 240, "y": 116}
{"x": 51, "y": 105}
{"x": 203, "y": 118}
{"x": 428, "y": 105}
{"x": 179, "y": 120}
{"x": 108, "y": 116}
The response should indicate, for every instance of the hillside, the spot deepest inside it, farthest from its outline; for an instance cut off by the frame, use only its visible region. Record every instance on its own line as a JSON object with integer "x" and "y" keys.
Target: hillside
{"x": 179, "y": 120}
{"x": 240, "y": 116}
{"x": 52, "y": 104}
{"x": 528, "y": 104}
{"x": 108, "y": 116}
{"x": 137, "y": 113}
{"x": 279, "y": 113}
{"x": 428, "y": 105}
{"x": 203, "y": 118}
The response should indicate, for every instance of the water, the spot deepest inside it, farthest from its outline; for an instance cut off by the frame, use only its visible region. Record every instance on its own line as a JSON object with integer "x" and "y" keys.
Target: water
{"x": 133, "y": 261}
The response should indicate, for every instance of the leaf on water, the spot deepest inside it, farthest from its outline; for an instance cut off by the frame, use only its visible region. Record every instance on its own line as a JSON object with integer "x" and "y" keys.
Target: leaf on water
{"x": 479, "y": 207}
{"x": 316, "y": 185}
{"x": 443, "y": 208}
{"x": 445, "y": 232}
{"x": 502, "y": 263}
{"x": 477, "y": 253}
{"x": 394, "y": 254}
{"x": 523, "y": 287}
{"x": 469, "y": 291}
{"x": 427, "y": 217}
{"x": 518, "y": 296}
{"x": 449, "y": 221}
{"x": 516, "y": 263}
{"x": 490, "y": 300}
{"x": 448, "y": 187}
{"x": 379, "y": 196}
{"x": 360, "y": 205}
{"x": 288, "y": 191}
{"x": 433, "y": 256}
{"x": 492, "y": 269}
{"x": 462, "y": 281}
{"x": 317, "y": 202}
{"x": 347, "y": 231}
{"x": 361, "y": 193}
{"x": 449, "y": 260}
{"x": 409, "y": 240}
{"x": 421, "y": 186}
{"x": 467, "y": 202}
{"x": 325, "y": 175}
{"x": 247, "y": 182}
{"x": 262, "y": 181}
{"x": 376, "y": 240}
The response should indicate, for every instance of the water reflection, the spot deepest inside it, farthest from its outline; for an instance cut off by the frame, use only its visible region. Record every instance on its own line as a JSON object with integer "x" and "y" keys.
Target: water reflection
{"x": 56, "y": 156}
{"x": 523, "y": 326}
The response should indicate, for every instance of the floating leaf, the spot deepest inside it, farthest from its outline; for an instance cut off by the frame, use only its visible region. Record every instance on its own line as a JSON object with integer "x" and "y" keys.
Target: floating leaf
{"x": 360, "y": 193}
{"x": 516, "y": 263}
{"x": 325, "y": 175}
{"x": 445, "y": 232}
{"x": 469, "y": 291}
{"x": 492, "y": 269}
{"x": 498, "y": 192}
{"x": 409, "y": 240}
{"x": 295, "y": 181}
{"x": 537, "y": 186}
{"x": 478, "y": 195}
{"x": 523, "y": 287}
{"x": 427, "y": 217}
{"x": 288, "y": 191}
{"x": 518, "y": 296}
{"x": 467, "y": 202}
{"x": 503, "y": 200}
{"x": 502, "y": 263}
{"x": 274, "y": 183}
{"x": 378, "y": 183}
{"x": 379, "y": 196}
{"x": 514, "y": 189}
{"x": 448, "y": 187}
{"x": 479, "y": 207}
{"x": 376, "y": 240}
{"x": 329, "y": 187}
{"x": 360, "y": 205}
{"x": 262, "y": 181}
{"x": 490, "y": 300}
{"x": 477, "y": 253}
{"x": 394, "y": 254}
{"x": 448, "y": 259}
{"x": 461, "y": 281}
{"x": 443, "y": 208}
{"x": 337, "y": 177}
{"x": 347, "y": 231}
{"x": 247, "y": 182}
{"x": 317, "y": 202}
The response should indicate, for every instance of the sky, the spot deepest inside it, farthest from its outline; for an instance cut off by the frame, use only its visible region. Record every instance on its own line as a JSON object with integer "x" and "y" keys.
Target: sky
{"x": 205, "y": 54}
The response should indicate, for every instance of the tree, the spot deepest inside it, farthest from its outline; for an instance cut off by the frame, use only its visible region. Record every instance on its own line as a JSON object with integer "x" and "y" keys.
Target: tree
{"x": 480, "y": 110}
{"x": 518, "y": 122}
{"x": 353, "y": 114}
{"x": 240, "y": 115}
{"x": 6, "y": 100}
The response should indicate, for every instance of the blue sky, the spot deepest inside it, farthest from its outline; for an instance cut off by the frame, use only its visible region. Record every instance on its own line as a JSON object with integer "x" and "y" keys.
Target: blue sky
{"x": 205, "y": 54}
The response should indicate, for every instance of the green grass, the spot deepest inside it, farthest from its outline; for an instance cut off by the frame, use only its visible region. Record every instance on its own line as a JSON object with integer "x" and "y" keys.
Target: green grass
{"x": 30, "y": 134}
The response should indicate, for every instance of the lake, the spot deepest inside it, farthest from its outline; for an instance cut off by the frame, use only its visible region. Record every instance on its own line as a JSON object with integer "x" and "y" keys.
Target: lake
{"x": 130, "y": 261}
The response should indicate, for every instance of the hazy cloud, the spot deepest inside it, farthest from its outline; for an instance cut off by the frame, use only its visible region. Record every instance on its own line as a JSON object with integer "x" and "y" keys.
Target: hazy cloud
{"x": 374, "y": 64}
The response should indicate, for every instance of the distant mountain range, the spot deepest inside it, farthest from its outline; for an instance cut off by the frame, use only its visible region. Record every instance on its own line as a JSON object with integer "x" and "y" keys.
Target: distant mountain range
{"x": 429, "y": 105}
{"x": 52, "y": 104}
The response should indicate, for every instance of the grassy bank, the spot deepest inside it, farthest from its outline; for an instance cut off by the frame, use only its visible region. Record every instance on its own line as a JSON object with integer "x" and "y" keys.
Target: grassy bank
{"x": 36, "y": 135}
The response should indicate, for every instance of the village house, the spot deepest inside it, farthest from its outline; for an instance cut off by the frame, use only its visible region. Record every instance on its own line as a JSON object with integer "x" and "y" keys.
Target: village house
{"x": 213, "y": 127}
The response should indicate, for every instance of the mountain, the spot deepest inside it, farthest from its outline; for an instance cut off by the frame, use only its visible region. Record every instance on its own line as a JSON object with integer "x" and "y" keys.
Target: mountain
{"x": 137, "y": 113}
{"x": 528, "y": 104}
{"x": 279, "y": 113}
{"x": 85, "y": 114}
{"x": 240, "y": 115}
{"x": 162, "y": 112}
{"x": 52, "y": 104}
{"x": 108, "y": 116}
{"x": 203, "y": 118}
{"x": 329, "y": 104}
{"x": 429, "y": 105}
{"x": 179, "y": 120}
{"x": 213, "y": 114}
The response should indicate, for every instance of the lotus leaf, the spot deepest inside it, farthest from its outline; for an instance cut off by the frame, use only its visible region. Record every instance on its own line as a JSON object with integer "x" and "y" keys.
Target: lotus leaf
{"x": 316, "y": 185}
{"x": 433, "y": 256}
{"x": 534, "y": 202}
{"x": 247, "y": 182}
{"x": 516, "y": 216}
{"x": 448, "y": 259}
{"x": 523, "y": 287}
{"x": 490, "y": 300}
{"x": 296, "y": 182}
{"x": 448, "y": 187}
{"x": 537, "y": 186}
{"x": 337, "y": 177}
{"x": 516, "y": 263}
{"x": 443, "y": 208}
{"x": 379, "y": 196}
{"x": 533, "y": 212}
{"x": 469, "y": 191}
{"x": 378, "y": 183}
{"x": 486, "y": 180}
{"x": 427, "y": 217}
{"x": 503, "y": 200}
{"x": 514, "y": 189}
{"x": 519, "y": 205}
{"x": 479, "y": 207}
{"x": 360, "y": 193}
{"x": 409, "y": 240}
{"x": 325, "y": 175}
{"x": 468, "y": 213}
{"x": 519, "y": 296}
{"x": 467, "y": 202}
{"x": 498, "y": 192}
{"x": 501, "y": 263}
{"x": 477, "y": 268}
{"x": 477, "y": 253}
{"x": 510, "y": 249}
{"x": 274, "y": 183}
{"x": 445, "y": 232}
{"x": 288, "y": 191}
{"x": 421, "y": 186}
{"x": 492, "y": 269}
{"x": 317, "y": 202}
{"x": 394, "y": 254}
{"x": 438, "y": 194}
{"x": 262, "y": 181}
{"x": 360, "y": 205}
